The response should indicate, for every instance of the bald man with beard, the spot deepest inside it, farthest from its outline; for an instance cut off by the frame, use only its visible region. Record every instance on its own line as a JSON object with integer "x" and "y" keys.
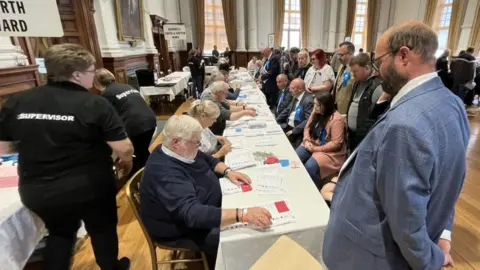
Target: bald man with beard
{"x": 393, "y": 204}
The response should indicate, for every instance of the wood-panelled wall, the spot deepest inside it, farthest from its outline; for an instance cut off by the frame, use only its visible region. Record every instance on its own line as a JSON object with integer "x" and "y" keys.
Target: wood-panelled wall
{"x": 122, "y": 66}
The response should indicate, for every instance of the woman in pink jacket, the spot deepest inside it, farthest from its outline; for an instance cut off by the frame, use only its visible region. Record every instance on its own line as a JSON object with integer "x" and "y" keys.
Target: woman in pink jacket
{"x": 323, "y": 150}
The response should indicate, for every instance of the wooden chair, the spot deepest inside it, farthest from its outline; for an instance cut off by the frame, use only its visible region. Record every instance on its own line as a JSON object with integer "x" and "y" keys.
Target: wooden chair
{"x": 133, "y": 195}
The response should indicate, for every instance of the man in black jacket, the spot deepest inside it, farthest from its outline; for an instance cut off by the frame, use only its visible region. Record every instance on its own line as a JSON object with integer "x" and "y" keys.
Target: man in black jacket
{"x": 366, "y": 91}
{"x": 271, "y": 69}
{"x": 293, "y": 119}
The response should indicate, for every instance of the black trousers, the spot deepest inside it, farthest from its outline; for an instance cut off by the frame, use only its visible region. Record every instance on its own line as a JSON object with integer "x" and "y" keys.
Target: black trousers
{"x": 272, "y": 98}
{"x": 353, "y": 140}
{"x": 198, "y": 81}
{"x": 141, "y": 142}
{"x": 63, "y": 222}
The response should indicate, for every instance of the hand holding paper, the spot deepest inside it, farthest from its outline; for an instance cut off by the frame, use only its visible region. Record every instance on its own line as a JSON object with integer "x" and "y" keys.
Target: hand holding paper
{"x": 238, "y": 178}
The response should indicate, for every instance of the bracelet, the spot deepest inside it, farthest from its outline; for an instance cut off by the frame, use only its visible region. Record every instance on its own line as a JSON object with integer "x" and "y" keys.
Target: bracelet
{"x": 225, "y": 171}
{"x": 236, "y": 214}
{"x": 244, "y": 214}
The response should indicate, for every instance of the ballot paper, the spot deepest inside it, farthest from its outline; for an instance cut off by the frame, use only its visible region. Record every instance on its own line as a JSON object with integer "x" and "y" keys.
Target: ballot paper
{"x": 8, "y": 175}
{"x": 270, "y": 180}
{"x": 265, "y": 141}
{"x": 240, "y": 159}
{"x": 247, "y": 87}
{"x": 273, "y": 128}
{"x": 254, "y": 132}
{"x": 238, "y": 142}
{"x": 230, "y": 188}
{"x": 280, "y": 211}
{"x": 233, "y": 132}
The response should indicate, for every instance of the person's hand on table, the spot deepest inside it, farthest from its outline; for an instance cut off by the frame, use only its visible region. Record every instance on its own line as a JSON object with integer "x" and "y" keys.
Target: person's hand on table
{"x": 240, "y": 103}
{"x": 289, "y": 133}
{"x": 248, "y": 108}
{"x": 445, "y": 245}
{"x": 225, "y": 149}
{"x": 251, "y": 113}
{"x": 223, "y": 140}
{"x": 238, "y": 178}
{"x": 257, "y": 216}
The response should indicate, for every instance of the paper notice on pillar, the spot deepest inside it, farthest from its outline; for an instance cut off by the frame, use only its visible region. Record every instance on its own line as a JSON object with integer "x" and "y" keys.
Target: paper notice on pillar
{"x": 174, "y": 32}
{"x": 30, "y": 18}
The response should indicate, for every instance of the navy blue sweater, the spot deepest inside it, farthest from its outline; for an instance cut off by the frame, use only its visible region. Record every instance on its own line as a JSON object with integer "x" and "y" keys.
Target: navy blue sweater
{"x": 179, "y": 199}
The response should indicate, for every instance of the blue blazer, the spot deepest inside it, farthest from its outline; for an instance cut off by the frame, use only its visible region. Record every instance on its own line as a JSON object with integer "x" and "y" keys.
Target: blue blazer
{"x": 397, "y": 194}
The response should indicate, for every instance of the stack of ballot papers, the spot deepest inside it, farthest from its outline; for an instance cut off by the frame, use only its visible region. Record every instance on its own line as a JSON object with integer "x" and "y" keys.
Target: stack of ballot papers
{"x": 236, "y": 124}
{"x": 254, "y": 132}
{"x": 257, "y": 124}
{"x": 240, "y": 159}
{"x": 230, "y": 188}
{"x": 281, "y": 214}
{"x": 270, "y": 180}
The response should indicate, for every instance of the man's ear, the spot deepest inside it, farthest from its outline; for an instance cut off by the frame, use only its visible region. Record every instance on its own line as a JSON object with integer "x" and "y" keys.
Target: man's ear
{"x": 404, "y": 54}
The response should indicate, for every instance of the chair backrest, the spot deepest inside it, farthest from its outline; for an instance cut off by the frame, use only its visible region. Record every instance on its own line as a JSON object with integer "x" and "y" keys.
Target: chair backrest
{"x": 145, "y": 77}
{"x": 133, "y": 195}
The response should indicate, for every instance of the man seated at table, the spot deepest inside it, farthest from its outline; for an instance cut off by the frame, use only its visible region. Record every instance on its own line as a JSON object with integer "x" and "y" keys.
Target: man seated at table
{"x": 219, "y": 77}
{"x": 232, "y": 93}
{"x": 293, "y": 119}
{"x": 285, "y": 96}
{"x": 180, "y": 193}
{"x": 218, "y": 93}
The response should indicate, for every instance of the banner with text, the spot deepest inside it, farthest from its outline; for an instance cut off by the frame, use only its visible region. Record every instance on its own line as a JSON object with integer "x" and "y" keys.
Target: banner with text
{"x": 30, "y": 18}
{"x": 175, "y": 32}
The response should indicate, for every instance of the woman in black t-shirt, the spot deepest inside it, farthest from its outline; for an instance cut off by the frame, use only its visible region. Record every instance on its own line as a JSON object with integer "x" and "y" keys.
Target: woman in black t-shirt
{"x": 140, "y": 122}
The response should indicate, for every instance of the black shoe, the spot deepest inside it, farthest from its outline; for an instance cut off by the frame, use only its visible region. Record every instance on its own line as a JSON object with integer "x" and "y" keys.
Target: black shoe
{"x": 123, "y": 264}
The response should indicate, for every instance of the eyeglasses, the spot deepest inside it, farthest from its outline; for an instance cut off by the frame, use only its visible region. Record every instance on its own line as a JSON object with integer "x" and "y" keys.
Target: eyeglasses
{"x": 378, "y": 61}
{"x": 197, "y": 144}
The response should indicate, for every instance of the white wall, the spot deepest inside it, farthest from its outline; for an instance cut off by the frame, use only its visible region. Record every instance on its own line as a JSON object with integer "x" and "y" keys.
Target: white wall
{"x": 406, "y": 10}
{"x": 266, "y": 22}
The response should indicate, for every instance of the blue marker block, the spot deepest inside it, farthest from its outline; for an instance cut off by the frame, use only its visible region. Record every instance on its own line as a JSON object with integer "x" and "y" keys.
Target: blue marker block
{"x": 284, "y": 162}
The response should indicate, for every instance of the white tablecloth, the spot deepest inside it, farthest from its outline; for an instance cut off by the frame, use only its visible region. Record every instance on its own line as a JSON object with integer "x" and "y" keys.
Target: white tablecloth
{"x": 241, "y": 248}
{"x": 180, "y": 79}
{"x": 20, "y": 230}
{"x": 211, "y": 69}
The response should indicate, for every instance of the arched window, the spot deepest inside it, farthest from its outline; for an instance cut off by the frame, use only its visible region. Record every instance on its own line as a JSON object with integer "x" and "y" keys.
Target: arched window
{"x": 359, "y": 37}
{"x": 215, "y": 33}
{"x": 291, "y": 24}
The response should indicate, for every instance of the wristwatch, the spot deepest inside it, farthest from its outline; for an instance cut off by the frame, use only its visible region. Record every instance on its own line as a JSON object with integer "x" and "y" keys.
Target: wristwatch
{"x": 225, "y": 172}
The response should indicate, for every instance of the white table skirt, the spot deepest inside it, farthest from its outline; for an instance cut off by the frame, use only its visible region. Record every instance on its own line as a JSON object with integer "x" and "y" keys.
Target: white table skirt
{"x": 241, "y": 248}
{"x": 20, "y": 230}
{"x": 179, "y": 78}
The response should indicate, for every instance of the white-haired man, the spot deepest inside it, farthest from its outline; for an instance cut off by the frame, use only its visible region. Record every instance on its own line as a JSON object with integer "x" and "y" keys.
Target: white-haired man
{"x": 228, "y": 110}
{"x": 181, "y": 195}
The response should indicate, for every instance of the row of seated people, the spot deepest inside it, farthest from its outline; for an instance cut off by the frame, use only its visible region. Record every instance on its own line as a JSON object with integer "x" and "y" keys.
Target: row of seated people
{"x": 321, "y": 135}
{"x": 180, "y": 191}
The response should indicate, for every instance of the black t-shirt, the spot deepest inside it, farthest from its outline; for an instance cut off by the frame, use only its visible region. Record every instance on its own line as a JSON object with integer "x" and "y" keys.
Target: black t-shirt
{"x": 132, "y": 108}
{"x": 60, "y": 131}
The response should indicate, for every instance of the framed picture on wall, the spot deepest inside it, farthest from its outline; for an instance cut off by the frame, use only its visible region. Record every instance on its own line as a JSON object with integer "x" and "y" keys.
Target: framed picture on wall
{"x": 130, "y": 19}
{"x": 271, "y": 40}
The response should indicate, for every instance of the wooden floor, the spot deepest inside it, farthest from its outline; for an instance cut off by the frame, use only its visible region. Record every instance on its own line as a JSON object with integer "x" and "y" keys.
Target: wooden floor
{"x": 466, "y": 233}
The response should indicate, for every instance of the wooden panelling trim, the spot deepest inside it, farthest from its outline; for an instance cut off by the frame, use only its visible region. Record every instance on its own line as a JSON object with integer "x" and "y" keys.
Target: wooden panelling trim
{"x": 17, "y": 79}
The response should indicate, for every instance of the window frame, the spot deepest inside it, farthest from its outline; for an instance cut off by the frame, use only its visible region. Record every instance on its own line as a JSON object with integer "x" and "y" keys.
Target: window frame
{"x": 364, "y": 16}
{"x": 289, "y": 11}
{"x": 214, "y": 27}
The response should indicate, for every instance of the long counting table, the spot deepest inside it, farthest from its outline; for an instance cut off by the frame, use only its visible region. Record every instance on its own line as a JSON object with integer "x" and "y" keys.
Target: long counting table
{"x": 241, "y": 248}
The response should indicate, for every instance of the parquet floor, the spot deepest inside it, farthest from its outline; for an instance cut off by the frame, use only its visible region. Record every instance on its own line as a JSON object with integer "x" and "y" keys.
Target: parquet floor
{"x": 466, "y": 233}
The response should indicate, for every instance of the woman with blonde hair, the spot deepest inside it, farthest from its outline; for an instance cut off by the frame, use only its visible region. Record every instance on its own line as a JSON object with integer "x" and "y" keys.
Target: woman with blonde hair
{"x": 303, "y": 64}
{"x": 139, "y": 120}
{"x": 206, "y": 113}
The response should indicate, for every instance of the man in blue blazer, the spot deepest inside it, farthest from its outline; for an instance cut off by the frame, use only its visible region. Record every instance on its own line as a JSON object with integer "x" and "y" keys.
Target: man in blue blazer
{"x": 393, "y": 205}
{"x": 294, "y": 117}
{"x": 285, "y": 96}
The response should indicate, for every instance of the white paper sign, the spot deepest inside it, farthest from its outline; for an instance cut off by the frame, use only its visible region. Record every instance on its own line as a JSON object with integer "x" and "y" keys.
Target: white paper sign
{"x": 175, "y": 32}
{"x": 30, "y": 18}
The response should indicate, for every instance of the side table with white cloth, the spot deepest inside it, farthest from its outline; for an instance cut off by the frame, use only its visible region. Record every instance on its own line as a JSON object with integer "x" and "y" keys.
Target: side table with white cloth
{"x": 241, "y": 247}
{"x": 172, "y": 85}
{"x": 20, "y": 229}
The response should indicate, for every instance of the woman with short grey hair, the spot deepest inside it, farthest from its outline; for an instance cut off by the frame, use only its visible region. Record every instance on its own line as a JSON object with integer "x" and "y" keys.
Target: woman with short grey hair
{"x": 206, "y": 113}
{"x": 181, "y": 194}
